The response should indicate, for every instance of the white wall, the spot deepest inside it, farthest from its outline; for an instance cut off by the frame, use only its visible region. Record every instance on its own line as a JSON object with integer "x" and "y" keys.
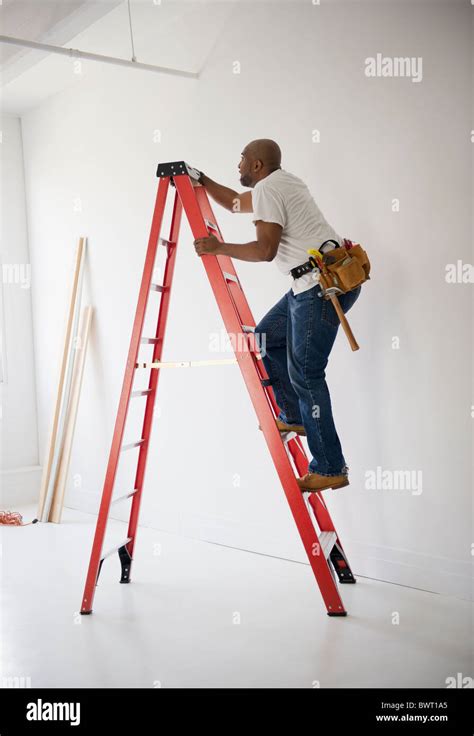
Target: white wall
{"x": 20, "y": 472}
{"x": 91, "y": 155}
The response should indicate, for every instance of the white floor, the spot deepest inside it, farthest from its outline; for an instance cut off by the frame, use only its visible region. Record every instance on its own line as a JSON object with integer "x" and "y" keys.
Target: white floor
{"x": 177, "y": 624}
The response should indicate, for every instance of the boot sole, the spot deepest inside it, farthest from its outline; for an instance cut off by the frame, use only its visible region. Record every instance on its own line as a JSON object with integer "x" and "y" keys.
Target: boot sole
{"x": 341, "y": 485}
{"x": 300, "y": 432}
{"x": 326, "y": 488}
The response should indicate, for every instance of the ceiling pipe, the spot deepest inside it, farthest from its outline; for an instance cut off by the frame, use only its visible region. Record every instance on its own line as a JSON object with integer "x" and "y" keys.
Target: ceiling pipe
{"x": 75, "y": 53}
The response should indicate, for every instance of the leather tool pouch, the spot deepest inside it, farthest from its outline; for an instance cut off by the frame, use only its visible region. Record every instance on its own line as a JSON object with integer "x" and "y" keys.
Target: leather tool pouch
{"x": 347, "y": 268}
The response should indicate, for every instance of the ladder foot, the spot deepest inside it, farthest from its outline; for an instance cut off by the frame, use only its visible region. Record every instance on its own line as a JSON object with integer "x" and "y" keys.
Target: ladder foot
{"x": 348, "y": 581}
{"x": 125, "y": 561}
{"x": 86, "y": 613}
{"x": 337, "y": 613}
{"x": 341, "y": 566}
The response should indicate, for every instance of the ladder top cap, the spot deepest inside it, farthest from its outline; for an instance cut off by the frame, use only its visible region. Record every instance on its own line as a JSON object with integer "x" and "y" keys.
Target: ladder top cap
{"x": 176, "y": 168}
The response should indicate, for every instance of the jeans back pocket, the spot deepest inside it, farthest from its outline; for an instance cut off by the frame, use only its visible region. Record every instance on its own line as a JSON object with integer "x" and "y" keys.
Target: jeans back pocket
{"x": 347, "y": 300}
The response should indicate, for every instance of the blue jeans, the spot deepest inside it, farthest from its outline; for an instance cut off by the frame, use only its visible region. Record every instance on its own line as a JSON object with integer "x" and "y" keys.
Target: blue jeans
{"x": 296, "y": 337}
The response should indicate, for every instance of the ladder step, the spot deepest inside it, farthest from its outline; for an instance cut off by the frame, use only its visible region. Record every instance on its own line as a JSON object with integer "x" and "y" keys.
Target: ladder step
{"x": 327, "y": 541}
{"x": 150, "y": 340}
{"x": 145, "y": 392}
{"x": 131, "y": 445}
{"x": 250, "y": 330}
{"x": 157, "y": 287}
{"x": 230, "y": 277}
{"x": 124, "y": 497}
{"x": 115, "y": 549}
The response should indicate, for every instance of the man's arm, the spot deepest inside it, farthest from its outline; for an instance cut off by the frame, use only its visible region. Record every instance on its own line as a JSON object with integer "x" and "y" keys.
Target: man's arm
{"x": 262, "y": 249}
{"x": 228, "y": 198}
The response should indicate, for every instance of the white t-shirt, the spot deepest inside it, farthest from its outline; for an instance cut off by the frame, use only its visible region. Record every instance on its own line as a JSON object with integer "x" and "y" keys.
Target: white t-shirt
{"x": 283, "y": 198}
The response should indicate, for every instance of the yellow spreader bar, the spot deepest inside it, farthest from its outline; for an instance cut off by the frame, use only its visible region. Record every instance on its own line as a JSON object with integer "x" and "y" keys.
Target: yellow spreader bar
{"x": 187, "y": 363}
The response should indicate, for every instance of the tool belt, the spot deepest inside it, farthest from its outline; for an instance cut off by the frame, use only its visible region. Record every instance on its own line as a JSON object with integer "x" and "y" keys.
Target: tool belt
{"x": 347, "y": 266}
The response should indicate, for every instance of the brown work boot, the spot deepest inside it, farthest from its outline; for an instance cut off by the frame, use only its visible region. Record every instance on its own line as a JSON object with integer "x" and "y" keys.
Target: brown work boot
{"x": 282, "y": 427}
{"x": 316, "y": 482}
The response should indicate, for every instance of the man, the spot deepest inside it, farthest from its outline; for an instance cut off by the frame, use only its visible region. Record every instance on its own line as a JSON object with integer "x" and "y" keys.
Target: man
{"x": 301, "y": 328}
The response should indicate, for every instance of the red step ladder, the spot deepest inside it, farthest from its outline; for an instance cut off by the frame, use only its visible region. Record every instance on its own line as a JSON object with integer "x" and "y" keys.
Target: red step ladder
{"x": 321, "y": 542}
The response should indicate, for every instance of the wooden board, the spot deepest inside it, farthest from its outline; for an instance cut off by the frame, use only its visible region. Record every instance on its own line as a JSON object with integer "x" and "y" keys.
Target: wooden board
{"x": 53, "y": 437}
{"x": 78, "y": 370}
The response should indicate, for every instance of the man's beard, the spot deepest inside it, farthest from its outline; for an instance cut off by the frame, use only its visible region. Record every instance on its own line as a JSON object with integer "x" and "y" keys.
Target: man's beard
{"x": 245, "y": 180}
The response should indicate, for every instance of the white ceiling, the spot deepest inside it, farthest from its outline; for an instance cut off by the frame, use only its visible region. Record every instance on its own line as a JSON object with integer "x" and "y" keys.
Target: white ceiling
{"x": 47, "y": 21}
{"x": 173, "y": 33}
{"x": 51, "y": 21}
{"x": 24, "y": 19}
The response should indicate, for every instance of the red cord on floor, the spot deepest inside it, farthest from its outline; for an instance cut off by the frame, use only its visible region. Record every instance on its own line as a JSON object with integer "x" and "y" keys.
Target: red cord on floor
{"x": 13, "y": 518}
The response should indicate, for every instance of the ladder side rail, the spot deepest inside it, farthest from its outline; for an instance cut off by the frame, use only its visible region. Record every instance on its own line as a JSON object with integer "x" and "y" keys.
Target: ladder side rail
{"x": 155, "y": 373}
{"x": 101, "y": 524}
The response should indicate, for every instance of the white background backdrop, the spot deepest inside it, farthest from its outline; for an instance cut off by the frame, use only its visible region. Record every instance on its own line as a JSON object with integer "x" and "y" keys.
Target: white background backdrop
{"x": 90, "y": 152}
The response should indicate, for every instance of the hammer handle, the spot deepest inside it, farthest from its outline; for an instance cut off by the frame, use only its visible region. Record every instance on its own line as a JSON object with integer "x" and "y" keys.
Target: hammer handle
{"x": 344, "y": 323}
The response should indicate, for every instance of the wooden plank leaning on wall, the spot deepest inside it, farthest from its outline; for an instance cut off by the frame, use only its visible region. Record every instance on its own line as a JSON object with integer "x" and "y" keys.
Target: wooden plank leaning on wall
{"x": 62, "y": 394}
{"x": 78, "y": 370}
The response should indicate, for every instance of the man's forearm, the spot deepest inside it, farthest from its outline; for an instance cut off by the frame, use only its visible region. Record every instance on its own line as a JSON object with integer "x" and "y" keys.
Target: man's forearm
{"x": 244, "y": 251}
{"x": 220, "y": 194}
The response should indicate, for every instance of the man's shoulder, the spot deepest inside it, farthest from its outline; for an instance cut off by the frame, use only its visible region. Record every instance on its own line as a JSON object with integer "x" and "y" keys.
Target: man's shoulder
{"x": 278, "y": 181}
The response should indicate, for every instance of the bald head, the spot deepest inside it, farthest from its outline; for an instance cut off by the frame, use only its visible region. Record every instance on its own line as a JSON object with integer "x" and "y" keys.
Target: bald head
{"x": 259, "y": 159}
{"x": 266, "y": 151}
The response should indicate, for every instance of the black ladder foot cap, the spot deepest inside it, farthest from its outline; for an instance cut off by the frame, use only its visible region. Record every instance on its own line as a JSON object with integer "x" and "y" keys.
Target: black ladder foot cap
{"x": 348, "y": 582}
{"x": 86, "y": 613}
{"x": 337, "y": 613}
